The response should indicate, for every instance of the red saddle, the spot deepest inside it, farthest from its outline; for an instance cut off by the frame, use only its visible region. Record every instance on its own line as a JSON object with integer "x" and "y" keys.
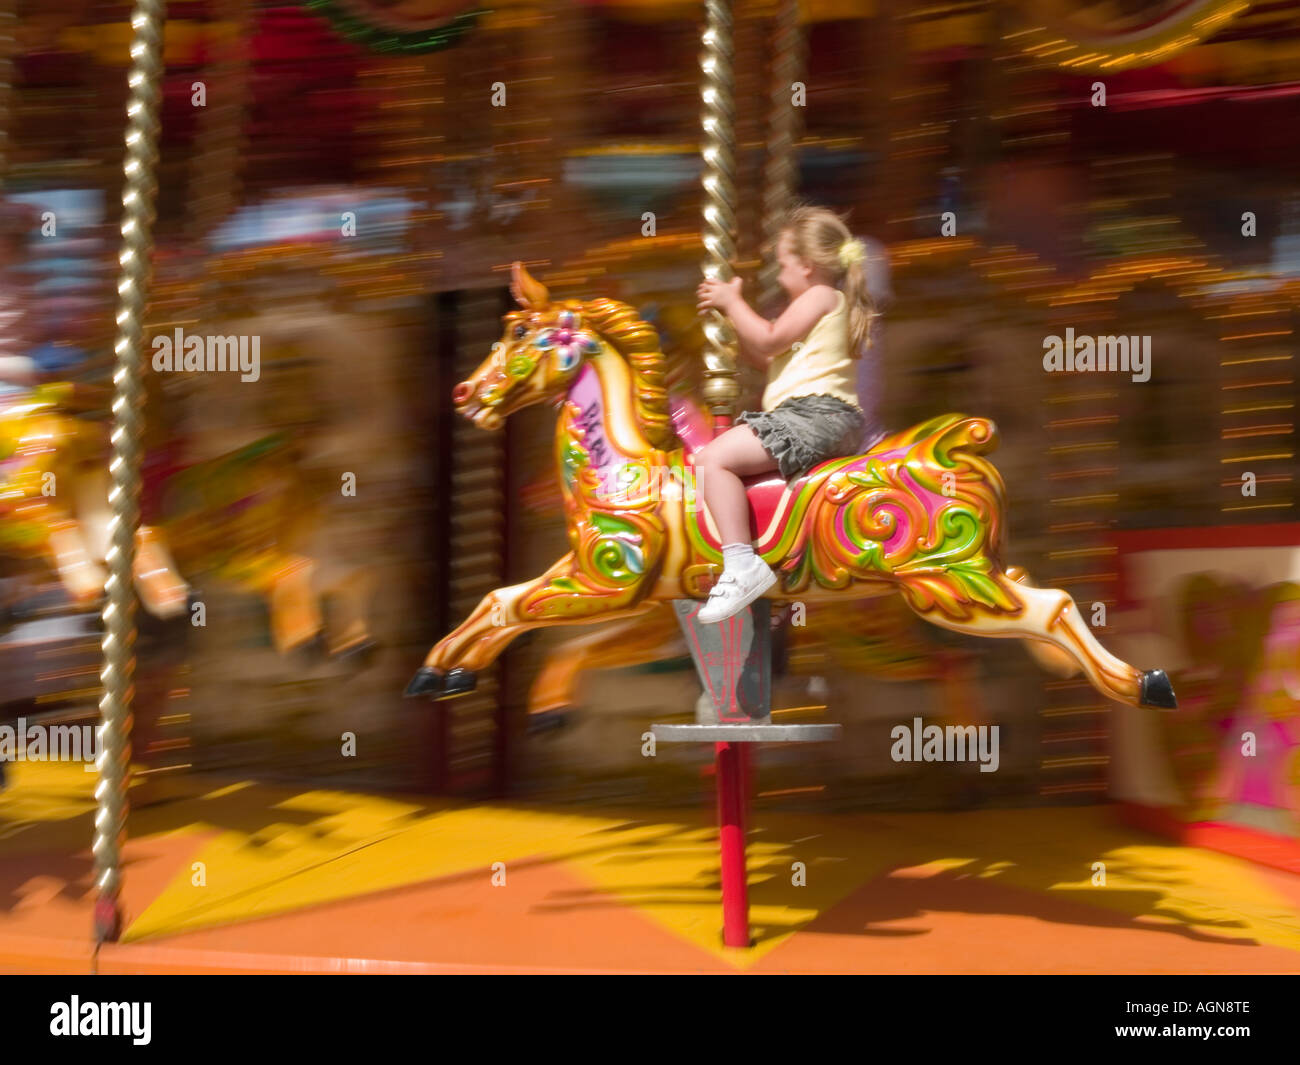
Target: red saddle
{"x": 765, "y": 492}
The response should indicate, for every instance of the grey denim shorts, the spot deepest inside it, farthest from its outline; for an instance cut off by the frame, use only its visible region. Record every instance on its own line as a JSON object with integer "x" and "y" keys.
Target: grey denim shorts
{"x": 802, "y": 431}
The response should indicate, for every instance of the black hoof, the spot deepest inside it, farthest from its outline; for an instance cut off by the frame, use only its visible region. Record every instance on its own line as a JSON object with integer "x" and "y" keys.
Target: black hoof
{"x": 425, "y": 682}
{"x": 1157, "y": 691}
{"x": 438, "y": 685}
{"x": 458, "y": 682}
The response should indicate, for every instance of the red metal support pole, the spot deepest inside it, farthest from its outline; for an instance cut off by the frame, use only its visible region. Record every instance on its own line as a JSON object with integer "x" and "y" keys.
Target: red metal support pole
{"x": 731, "y": 841}
{"x": 732, "y": 772}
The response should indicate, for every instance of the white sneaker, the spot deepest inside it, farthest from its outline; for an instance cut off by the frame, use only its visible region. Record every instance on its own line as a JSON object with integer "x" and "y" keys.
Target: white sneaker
{"x": 735, "y": 591}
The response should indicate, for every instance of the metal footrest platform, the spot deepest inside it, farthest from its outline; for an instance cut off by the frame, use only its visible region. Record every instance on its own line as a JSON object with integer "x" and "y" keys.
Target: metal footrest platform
{"x": 745, "y": 733}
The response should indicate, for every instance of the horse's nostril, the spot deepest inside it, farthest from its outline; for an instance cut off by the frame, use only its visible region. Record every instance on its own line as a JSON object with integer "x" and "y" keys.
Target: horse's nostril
{"x": 462, "y": 392}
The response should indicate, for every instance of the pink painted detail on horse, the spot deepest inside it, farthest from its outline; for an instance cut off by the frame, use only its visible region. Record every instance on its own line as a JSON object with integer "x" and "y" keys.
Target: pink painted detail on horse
{"x": 932, "y": 502}
{"x": 902, "y": 530}
{"x": 689, "y": 424}
{"x": 585, "y": 394}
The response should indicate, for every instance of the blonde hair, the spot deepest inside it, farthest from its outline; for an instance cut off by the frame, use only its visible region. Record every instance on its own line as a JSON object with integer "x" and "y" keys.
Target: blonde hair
{"x": 819, "y": 236}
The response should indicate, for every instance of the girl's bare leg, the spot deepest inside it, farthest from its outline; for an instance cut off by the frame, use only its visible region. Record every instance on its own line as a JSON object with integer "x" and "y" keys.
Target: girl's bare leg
{"x": 719, "y": 467}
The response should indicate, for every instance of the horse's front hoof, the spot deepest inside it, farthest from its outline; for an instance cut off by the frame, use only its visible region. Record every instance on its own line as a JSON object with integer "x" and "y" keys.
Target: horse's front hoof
{"x": 458, "y": 682}
{"x": 426, "y": 681}
{"x": 1157, "y": 691}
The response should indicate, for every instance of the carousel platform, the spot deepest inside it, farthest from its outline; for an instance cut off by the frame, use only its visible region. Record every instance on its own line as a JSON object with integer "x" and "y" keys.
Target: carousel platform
{"x": 244, "y": 878}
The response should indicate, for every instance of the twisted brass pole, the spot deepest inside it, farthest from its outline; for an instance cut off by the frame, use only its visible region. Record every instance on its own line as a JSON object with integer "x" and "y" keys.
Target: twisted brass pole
{"x": 717, "y": 90}
{"x": 119, "y": 608}
{"x": 780, "y": 171}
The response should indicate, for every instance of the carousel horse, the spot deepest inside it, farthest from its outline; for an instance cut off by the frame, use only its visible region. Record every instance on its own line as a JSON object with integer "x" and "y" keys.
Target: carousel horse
{"x": 54, "y": 501}
{"x": 237, "y": 517}
{"x": 261, "y": 506}
{"x": 229, "y": 517}
{"x": 921, "y": 514}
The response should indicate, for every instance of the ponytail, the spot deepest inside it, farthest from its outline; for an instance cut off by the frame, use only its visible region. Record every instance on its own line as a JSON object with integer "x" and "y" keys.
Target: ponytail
{"x": 861, "y": 307}
{"x": 821, "y": 237}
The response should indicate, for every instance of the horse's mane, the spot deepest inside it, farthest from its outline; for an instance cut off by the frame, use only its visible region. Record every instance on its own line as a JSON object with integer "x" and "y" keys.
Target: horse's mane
{"x": 638, "y": 342}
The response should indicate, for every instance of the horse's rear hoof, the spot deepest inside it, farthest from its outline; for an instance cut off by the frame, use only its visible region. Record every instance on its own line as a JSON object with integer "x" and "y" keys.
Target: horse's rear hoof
{"x": 311, "y": 651}
{"x": 358, "y": 654}
{"x": 551, "y": 721}
{"x": 1157, "y": 691}
{"x": 426, "y": 681}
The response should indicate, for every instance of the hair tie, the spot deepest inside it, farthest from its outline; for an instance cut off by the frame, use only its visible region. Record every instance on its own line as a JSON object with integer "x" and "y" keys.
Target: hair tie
{"x": 852, "y": 251}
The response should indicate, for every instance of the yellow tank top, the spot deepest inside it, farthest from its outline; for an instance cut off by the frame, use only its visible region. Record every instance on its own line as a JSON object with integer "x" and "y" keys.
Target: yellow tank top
{"x": 818, "y": 365}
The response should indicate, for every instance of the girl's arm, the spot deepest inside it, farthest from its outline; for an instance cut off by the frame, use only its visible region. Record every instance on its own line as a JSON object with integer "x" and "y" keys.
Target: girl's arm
{"x": 760, "y": 339}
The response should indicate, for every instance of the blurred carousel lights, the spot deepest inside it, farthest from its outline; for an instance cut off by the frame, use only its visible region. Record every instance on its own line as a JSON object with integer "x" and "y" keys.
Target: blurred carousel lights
{"x": 1071, "y": 43}
{"x": 1251, "y": 308}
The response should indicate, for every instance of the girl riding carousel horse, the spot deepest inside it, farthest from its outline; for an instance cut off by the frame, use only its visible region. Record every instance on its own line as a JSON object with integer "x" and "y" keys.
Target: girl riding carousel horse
{"x": 811, "y": 408}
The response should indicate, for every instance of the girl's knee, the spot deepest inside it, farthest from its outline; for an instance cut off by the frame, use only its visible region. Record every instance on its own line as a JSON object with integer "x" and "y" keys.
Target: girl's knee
{"x": 717, "y": 460}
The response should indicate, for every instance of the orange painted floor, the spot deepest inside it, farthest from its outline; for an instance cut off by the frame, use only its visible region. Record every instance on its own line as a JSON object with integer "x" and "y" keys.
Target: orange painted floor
{"x": 245, "y": 878}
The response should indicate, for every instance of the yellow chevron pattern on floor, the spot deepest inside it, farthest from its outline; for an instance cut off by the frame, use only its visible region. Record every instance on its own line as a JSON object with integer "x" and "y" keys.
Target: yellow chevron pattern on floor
{"x": 269, "y": 851}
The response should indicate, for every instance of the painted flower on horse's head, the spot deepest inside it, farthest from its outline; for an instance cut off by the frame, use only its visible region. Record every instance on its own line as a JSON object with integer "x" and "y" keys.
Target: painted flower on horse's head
{"x": 569, "y": 342}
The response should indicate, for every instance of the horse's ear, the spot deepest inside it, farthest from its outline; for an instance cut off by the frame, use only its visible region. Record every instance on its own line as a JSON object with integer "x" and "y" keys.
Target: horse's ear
{"x": 528, "y": 292}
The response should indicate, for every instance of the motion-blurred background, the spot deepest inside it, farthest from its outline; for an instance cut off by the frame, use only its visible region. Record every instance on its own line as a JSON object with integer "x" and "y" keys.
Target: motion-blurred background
{"x": 969, "y": 139}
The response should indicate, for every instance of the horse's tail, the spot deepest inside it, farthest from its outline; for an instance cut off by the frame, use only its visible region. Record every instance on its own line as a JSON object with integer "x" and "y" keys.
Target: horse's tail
{"x": 952, "y": 431}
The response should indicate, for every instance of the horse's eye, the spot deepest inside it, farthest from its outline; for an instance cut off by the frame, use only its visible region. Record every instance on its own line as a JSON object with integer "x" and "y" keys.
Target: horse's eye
{"x": 521, "y": 331}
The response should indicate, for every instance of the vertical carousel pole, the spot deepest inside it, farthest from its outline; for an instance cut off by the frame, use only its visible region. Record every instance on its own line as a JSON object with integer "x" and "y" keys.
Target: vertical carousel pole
{"x": 719, "y": 151}
{"x": 780, "y": 168}
{"x": 119, "y": 609}
{"x": 780, "y": 172}
{"x": 721, "y": 389}
{"x": 734, "y": 659}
